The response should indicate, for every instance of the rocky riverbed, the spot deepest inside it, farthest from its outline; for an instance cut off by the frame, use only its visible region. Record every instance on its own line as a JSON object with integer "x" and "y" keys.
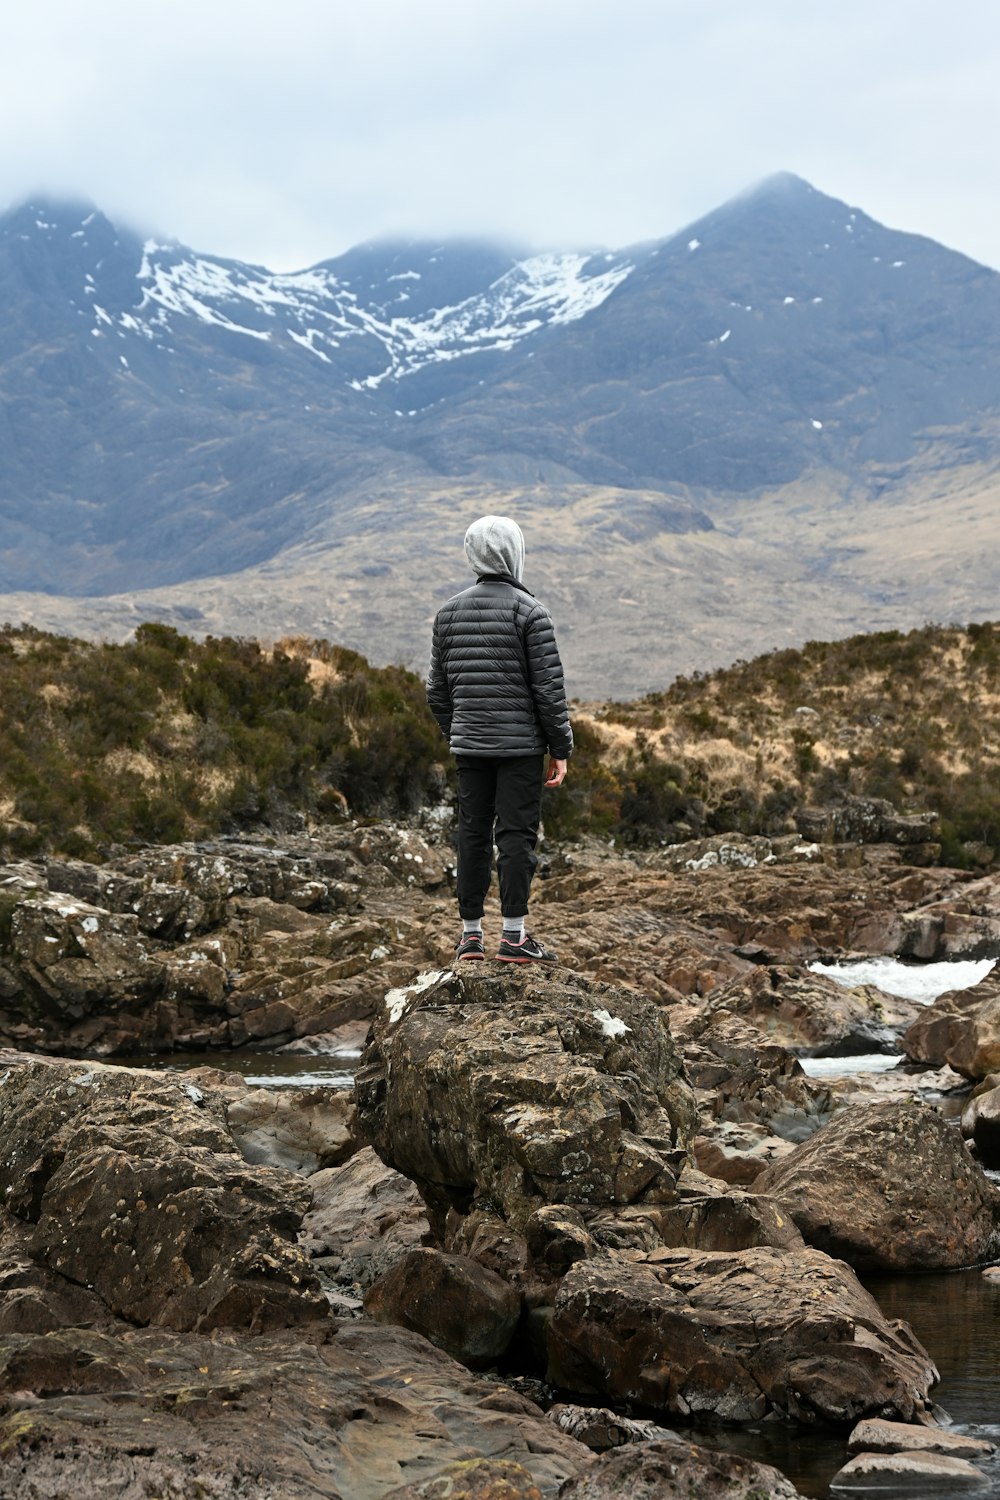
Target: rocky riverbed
{"x": 571, "y": 1225}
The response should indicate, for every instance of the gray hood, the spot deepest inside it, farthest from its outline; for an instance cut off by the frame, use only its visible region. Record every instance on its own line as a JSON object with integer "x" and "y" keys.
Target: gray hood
{"x": 493, "y": 544}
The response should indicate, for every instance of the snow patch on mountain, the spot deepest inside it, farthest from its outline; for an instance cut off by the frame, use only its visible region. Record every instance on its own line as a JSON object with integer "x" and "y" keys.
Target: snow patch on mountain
{"x": 317, "y": 312}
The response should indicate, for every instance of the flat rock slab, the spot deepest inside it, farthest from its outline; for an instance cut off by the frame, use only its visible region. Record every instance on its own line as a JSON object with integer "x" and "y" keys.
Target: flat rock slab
{"x": 140, "y": 1413}
{"x": 873, "y": 1436}
{"x": 675, "y": 1470}
{"x": 735, "y": 1336}
{"x": 889, "y": 1186}
{"x": 900, "y": 1472}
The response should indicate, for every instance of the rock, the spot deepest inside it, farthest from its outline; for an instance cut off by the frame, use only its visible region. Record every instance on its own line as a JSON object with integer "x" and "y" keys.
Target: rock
{"x": 981, "y": 1120}
{"x": 522, "y": 1089}
{"x": 136, "y": 1190}
{"x": 72, "y": 970}
{"x": 874, "y": 1436}
{"x": 301, "y": 1130}
{"x": 485, "y": 1237}
{"x": 557, "y": 1237}
{"x": 735, "y": 1336}
{"x": 813, "y": 1015}
{"x": 474, "y": 1479}
{"x": 671, "y": 1469}
{"x": 961, "y": 1028}
{"x": 742, "y": 850}
{"x": 402, "y": 852}
{"x": 865, "y": 820}
{"x": 34, "y": 1299}
{"x": 304, "y": 1415}
{"x": 728, "y": 1221}
{"x": 742, "y": 1077}
{"x": 364, "y": 1216}
{"x": 737, "y": 1154}
{"x": 963, "y": 922}
{"x": 888, "y": 1186}
{"x": 906, "y": 1471}
{"x": 459, "y": 1305}
{"x": 601, "y": 1428}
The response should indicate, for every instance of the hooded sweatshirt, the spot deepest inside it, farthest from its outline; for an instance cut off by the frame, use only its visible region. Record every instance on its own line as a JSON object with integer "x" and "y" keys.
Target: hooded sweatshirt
{"x": 495, "y": 683}
{"x": 494, "y": 544}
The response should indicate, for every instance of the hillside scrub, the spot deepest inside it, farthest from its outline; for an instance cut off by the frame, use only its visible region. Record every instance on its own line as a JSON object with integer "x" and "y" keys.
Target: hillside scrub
{"x": 913, "y": 718}
{"x": 165, "y": 738}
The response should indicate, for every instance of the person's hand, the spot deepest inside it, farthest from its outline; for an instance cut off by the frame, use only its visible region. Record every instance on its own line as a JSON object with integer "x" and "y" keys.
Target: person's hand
{"x": 557, "y": 772}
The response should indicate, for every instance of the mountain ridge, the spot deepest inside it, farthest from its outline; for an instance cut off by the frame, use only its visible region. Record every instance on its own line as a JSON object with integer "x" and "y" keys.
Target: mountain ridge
{"x": 784, "y": 394}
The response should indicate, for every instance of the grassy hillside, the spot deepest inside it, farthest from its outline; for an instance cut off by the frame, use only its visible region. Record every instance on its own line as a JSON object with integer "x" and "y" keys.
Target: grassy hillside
{"x": 912, "y": 718}
{"x": 165, "y": 738}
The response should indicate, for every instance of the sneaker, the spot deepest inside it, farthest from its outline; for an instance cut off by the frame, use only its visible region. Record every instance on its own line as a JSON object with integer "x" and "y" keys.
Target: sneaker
{"x": 528, "y": 951}
{"x": 470, "y": 945}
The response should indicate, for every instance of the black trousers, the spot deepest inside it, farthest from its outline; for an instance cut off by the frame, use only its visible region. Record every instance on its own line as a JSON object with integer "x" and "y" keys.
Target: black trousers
{"x": 499, "y": 798}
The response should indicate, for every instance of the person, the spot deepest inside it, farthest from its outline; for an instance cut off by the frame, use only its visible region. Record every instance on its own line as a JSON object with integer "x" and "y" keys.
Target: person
{"x": 495, "y": 687}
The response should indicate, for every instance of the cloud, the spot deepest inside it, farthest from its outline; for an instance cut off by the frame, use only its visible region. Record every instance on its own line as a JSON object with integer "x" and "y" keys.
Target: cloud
{"x": 285, "y": 133}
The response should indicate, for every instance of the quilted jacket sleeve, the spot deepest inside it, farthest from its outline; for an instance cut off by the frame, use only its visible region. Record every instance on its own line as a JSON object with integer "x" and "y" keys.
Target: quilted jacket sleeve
{"x": 438, "y": 692}
{"x": 545, "y": 673}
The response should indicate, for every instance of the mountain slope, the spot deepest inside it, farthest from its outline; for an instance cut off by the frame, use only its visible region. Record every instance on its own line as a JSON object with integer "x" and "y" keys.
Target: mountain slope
{"x": 775, "y": 421}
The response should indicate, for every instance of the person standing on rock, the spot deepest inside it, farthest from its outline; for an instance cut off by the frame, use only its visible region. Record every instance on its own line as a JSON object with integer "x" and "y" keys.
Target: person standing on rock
{"x": 495, "y": 687}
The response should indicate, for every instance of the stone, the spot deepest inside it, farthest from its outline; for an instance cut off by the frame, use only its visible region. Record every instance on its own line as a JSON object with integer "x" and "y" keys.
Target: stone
{"x": 301, "y": 1130}
{"x": 961, "y": 1028}
{"x": 734, "y": 1336}
{"x": 737, "y": 1154}
{"x": 136, "y": 1190}
{"x": 742, "y": 1077}
{"x": 601, "y": 1429}
{"x": 888, "y": 1186}
{"x": 458, "y": 1304}
{"x": 34, "y": 1299}
{"x": 906, "y": 1471}
{"x": 672, "y": 1469}
{"x": 474, "y": 1479}
{"x": 981, "y": 1121}
{"x": 353, "y": 1410}
{"x": 522, "y": 1089}
{"x": 875, "y": 1436}
{"x": 727, "y": 1221}
{"x": 865, "y": 820}
{"x": 363, "y": 1217}
{"x": 814, "y": 1016}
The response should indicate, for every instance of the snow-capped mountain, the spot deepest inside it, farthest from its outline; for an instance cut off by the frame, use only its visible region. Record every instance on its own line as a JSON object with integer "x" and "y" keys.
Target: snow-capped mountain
{"x": 390, "y": 298}
{"x": 170, "y": 416}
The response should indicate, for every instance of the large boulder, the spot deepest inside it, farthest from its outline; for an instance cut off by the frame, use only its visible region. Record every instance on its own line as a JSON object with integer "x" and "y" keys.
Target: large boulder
{"x": 734, "y": 1337}
{"x": 888, "y": 1186}
{"x": 524, "y": 1088}
{"x": 672, "y": 1469}
{"x": 355, "y": 1411}
{"x": 135, "y": 1188}
{"x": 961, "y": 1028}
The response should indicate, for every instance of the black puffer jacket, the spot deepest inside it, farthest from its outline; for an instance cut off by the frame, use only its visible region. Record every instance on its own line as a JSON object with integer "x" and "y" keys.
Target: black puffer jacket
{"x": 495, "y": 683}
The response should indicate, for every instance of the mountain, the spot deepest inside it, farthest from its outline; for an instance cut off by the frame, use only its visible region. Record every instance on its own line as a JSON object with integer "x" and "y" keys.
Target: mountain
{"x": 784, "y": 418}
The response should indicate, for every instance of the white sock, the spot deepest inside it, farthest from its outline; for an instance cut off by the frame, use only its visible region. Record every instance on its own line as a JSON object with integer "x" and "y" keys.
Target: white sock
{"x": 513, "y": 929}
{"x": 472, "y": 924}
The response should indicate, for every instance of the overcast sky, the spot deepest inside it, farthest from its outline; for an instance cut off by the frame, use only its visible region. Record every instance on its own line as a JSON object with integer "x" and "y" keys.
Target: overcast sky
{"x": 286, "y": 132}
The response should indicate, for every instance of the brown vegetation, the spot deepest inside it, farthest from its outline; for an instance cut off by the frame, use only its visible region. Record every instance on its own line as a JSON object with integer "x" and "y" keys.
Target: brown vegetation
{"x": 165, "y": 738}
